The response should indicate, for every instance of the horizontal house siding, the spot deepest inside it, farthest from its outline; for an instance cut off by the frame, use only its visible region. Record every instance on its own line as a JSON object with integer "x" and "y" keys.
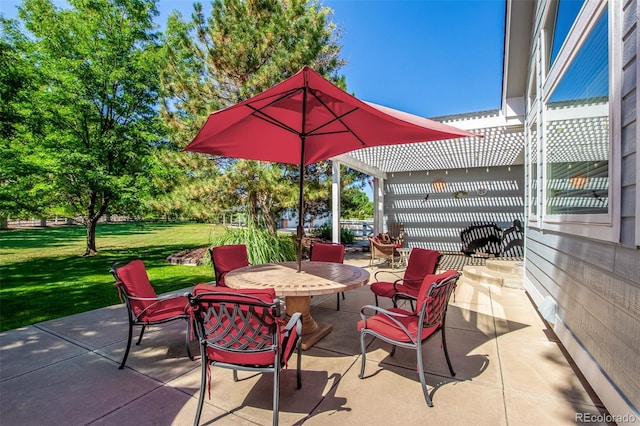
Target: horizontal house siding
{"x": 596, "y": 287}
{"x": 436, "y": 221}
{"x": 595, "y": 284}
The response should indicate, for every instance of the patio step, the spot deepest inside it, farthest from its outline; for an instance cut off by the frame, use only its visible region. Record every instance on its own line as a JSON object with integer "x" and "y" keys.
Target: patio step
{"x": 502, "y": 273}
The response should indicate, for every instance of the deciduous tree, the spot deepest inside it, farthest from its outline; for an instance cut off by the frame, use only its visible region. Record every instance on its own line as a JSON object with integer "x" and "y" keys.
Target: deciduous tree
{"x": 99, "y": 65}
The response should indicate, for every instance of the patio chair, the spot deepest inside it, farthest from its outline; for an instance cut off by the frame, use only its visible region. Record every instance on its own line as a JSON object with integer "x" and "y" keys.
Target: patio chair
{"x": 378, "y": 250}
{"x": 322, "y": 252}
{"x": 227, "y": 258}
{"x": 241, "y": 329}
{"x": 144, "y": 307}
{"x": 410, "y": 329}
{"x": 421, "y": 263}
{"x": 396, "y": 232}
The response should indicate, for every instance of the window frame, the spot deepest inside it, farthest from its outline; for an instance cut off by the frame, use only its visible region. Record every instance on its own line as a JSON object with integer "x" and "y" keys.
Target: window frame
{"x": 598, "y": 226}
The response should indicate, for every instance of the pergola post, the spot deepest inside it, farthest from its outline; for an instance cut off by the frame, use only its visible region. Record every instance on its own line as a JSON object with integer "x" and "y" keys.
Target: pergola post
{"x": 335, "y": 200}
{"x": 378, "y": 205}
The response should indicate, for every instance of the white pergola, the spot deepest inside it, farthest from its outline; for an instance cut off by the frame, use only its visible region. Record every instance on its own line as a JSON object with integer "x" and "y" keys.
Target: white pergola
{"x": 502, "y": 145}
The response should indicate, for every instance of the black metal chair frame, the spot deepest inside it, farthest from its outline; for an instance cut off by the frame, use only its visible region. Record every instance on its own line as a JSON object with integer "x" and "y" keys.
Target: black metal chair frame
{"x": 430, "y": 315}
{"x": 210, "y": 309}
{"x": 135, "y": 320}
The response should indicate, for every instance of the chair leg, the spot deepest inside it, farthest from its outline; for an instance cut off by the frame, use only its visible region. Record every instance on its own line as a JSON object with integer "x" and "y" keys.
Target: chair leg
{"x": 203, "y": 383}
{"x": 393, "y": 350}
{"x": 376, "y": 298}
{"x": 446, "y": 353}
{"x": 276, "y": 392}
{"x": 364, "y": 356}
{"x": 126, "y": 352}
{"x": 189, "y": 340}
{"x": 423, "y": 381}
{"x": 144, "y": 326}
{"x": 299, "y": 364}
{"x": 338, "y": 304}
{"x": 235, "y": 375}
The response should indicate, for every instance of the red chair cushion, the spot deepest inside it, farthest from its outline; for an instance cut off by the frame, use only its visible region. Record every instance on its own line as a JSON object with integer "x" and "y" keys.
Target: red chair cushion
{"x": 428, "y": 281}
{"x": 421, "y": 262}
{"x": 382, "y": 288}
{"x": 227, "y": 258}
{"x": 136, "y": 283}
{"x": 327, "y": 253}
{"x": 165, "y": 309}
{"x": 381, "y": 324}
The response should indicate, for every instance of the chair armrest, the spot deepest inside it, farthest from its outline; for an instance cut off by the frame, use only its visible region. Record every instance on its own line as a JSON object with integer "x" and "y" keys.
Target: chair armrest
{"x": 401, "y": 295}
{"x": 295, "y": 320}
{"x": 402, "y": 281}
{"x": 388, "y": 314}
{"x": 397, "y": 276}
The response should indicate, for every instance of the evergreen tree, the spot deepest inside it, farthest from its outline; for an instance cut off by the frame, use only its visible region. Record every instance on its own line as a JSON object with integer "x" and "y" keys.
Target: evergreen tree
{"x": 242, "y": 48}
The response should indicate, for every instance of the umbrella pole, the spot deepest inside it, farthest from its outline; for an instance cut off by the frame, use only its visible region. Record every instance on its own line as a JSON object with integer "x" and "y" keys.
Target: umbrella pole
{"x": 300, "y": 213}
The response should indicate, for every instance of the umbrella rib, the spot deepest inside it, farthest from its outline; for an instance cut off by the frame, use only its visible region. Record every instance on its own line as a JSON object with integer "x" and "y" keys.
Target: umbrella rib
{"x": 262, "y": 116}
{"x": 258, "y": 113}
{"x": 337, "y": 118}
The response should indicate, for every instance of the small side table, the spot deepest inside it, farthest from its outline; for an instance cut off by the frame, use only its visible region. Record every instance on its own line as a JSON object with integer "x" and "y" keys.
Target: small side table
{"x": 404, "y": 255}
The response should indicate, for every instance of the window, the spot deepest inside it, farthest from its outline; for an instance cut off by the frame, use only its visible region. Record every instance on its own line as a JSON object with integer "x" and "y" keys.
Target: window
{"x": 577, "y": 131}
{"x": 562, "y": 15}
{"x": 579, "y": 126}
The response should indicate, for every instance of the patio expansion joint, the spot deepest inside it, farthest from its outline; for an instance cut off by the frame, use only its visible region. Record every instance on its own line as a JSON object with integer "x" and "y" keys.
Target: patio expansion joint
{"x": 94, "y": 351}
{"x": 498, "y": 359}
{"x": 75, "y": 343}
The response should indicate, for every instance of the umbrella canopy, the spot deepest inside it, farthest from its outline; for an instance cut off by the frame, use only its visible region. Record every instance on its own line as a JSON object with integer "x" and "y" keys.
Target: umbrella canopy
{"x": 306, "y": 119}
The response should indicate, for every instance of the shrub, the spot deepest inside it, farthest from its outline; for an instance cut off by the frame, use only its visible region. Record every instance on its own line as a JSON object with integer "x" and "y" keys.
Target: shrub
{"x": 326, "y": 232}
{"x": 262, "y": 245}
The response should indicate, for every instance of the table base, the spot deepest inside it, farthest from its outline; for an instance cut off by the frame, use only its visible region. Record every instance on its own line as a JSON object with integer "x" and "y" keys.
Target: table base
{"x": 312, "y": 332}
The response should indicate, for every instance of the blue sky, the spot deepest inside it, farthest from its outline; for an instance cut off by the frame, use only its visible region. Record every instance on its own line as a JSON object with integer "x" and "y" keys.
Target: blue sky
{"x": 426, "y": 57}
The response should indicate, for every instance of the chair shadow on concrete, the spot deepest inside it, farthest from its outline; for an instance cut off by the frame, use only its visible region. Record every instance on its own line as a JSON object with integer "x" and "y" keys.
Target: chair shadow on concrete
{"x": 305, "y": 400}
{"x": 466, "y": 340}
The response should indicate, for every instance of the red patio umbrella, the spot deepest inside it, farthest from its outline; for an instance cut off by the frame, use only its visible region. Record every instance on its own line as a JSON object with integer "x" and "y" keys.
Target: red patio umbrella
{"x": 305, "y": 119}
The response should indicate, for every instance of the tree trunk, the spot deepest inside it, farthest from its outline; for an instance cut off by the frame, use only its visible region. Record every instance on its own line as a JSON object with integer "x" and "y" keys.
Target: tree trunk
{"x": 252, "y": 209}
{"x": 270, "y": 222}
{"x": 91, "y": 237}
{"x": 93, "y": 217}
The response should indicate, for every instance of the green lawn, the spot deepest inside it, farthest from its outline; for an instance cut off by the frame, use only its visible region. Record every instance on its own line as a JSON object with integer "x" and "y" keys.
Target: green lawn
{"x": 43, "y": 275}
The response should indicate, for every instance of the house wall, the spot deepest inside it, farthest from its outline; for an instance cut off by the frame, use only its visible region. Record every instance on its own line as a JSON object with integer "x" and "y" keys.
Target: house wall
{"x": 594, "y": 284}
{"x": 435, "y": 222}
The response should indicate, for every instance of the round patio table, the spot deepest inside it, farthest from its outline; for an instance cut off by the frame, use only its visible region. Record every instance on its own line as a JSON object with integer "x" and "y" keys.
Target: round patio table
{"x": 316, "y": 278}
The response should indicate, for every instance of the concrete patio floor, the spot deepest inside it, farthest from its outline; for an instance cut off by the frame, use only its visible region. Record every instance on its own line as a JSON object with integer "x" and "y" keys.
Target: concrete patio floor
{"x": 511, "y": 370}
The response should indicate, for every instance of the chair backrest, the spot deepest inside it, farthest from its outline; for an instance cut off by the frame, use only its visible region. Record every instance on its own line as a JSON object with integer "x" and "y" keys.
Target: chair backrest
{"x": 396, "y": 231}
{"x": 133, "y": 282}
{"x": 227, "y": 258}
{"x": 434, "y": 295}
{"x": 322, "y": 252}
{"x": 237, "y": 326}
{"x": 421, "y": 263}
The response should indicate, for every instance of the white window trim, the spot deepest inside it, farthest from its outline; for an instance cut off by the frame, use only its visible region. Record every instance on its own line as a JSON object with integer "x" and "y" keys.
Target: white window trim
{"x": 534, "y": 117}
{"x": 604, "y": 227}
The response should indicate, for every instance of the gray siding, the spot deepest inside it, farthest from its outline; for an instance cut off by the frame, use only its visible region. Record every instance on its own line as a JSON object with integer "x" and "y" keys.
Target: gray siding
{"x": 595, "y": 284}
{"x": 436, "y": 222}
